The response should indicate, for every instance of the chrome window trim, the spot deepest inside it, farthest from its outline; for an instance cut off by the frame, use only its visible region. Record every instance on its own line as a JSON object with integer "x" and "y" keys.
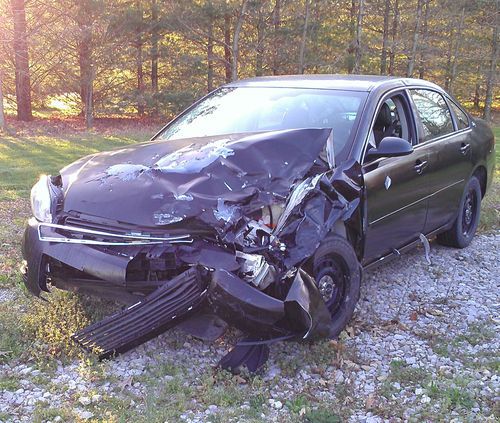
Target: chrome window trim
{"x": 441, "y": 138}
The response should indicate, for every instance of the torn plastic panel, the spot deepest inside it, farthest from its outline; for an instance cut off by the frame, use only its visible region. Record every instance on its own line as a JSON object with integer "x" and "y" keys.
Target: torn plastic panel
{"x": 314, "y": 207}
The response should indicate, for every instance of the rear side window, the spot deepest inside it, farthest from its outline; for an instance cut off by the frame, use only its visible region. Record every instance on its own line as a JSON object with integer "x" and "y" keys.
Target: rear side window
{"x": 434, "y": 114}
{"x": 462, "y": 119}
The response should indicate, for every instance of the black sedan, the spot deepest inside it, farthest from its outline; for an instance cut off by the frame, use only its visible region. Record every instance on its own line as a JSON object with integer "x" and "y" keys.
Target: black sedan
{"x": 259, "y": 207}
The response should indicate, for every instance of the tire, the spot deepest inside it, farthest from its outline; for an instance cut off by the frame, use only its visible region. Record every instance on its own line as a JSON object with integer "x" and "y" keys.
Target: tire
{"x": 464, "y": 228}
{"x": 338, "y": 275}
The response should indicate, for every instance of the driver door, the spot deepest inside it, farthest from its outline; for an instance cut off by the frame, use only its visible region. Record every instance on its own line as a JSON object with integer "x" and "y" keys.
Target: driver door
{"x": 396, "y": 189}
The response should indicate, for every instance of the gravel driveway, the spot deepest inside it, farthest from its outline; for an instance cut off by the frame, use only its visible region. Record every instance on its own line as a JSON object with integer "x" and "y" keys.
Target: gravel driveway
{"x": 423, "y": 346}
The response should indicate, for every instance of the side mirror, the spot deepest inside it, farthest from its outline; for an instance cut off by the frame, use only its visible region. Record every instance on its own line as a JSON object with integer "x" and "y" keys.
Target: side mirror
{"x": 390, "y": 147}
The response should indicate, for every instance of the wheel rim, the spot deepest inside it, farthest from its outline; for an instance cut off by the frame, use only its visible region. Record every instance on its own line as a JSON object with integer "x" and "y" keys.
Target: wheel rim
{"x": 332, "y": 278}
{"x": 469, "y": 212}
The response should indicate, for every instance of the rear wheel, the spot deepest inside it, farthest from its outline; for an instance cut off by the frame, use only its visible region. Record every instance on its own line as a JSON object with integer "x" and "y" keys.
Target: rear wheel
{"x": 338, "y": 277}
{"x": 463, "y": 230}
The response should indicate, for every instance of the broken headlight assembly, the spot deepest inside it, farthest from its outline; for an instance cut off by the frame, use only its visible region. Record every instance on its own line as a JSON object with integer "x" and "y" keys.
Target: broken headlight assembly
{"x": 41, "y": 200}
{"x": 45, "y": 196}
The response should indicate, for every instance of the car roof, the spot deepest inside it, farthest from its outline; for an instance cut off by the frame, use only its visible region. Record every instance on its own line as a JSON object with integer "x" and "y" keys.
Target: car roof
{"x": 323, "y": 81}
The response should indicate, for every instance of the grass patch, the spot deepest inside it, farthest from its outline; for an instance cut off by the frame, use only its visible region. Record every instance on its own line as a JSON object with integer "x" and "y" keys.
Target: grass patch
{"x": 223, "y": 390}
{"x": 4, "y": 416}
{"x": 490, "y": 207}
{"x": 13, "y": 342}
{"x": 477, "y": 333}
{"x": 43, "y": 413}
{"x": 405, "y": 374}
{"x": 9, "y": 383}
{"x": 451, "y": 395}
{"x": 321, "y": 415}
{"x": 51, "y": 323}
{"x": 23, "y": 159}
{"x": 297, "y": 404}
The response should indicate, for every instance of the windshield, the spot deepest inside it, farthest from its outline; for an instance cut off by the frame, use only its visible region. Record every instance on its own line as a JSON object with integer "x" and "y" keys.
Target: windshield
{"x": 231, "y": 110}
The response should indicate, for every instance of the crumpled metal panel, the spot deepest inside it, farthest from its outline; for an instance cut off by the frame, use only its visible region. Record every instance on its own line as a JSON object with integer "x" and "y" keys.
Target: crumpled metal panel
{"x": 157, "y": 184}
{"x": 221, "y": 183}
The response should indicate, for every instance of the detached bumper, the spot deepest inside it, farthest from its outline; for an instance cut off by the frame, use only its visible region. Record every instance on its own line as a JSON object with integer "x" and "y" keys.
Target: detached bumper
{"x": 32, "y": 249}
{"x": 105, "y": 266}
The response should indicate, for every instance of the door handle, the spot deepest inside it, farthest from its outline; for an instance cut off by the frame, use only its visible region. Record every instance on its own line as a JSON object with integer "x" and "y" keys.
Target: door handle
{"x": 464, "y": 149}
{"x": 420, "y": 166}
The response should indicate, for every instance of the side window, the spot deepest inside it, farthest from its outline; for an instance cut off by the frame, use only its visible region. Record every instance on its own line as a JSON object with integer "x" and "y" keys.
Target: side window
{"x": 392, "y": 120}
{"x": 462, "y": 119}
{"x": 433, "y": 112}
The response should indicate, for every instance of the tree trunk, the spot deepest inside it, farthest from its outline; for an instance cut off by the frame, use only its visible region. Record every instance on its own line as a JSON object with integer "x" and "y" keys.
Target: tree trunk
{"x": 414, "y": 44}
{"x": 385, "y": 38}
{"x": 352, "y": 34}
{"x": 394, "y": 36}
{"x": 2, "y": 114}
{"x": 490, "y": 82}
{"x": 259, "y": 59}
{"x": 453, "y": 70}
{"x": 23, "y": 84}
{"x": 425, "y": 34}
{"x": 236, "y": 39}
{"x": 227, "y": 46}
{"x": 449, "y": 55}
{"x": 140, "y": 62}
{"x": 89, "y": 103}
{"x": 210, "y": 51}
{"x": 85, "y": 22}
{"x": 155, "y": 38}
{"x": 477, "y": 88}
{"x": 359, "y": 30}
{"x": 276, "y": 38}
{"x": 304, "y": 38}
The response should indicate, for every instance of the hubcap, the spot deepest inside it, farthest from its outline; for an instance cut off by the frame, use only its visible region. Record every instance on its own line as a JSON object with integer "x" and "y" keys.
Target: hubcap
{"x": 468, "y": 213}
{"x": 332, "y": 277}
{"x": 326, "y": 286}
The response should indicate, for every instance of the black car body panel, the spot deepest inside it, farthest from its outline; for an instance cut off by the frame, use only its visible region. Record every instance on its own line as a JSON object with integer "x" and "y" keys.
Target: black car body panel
{"x": 128, "y": 221}
{"x": 161, "y": 183}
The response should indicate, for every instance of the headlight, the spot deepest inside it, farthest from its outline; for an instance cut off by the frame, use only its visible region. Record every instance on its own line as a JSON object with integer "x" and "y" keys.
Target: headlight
{"x": 41, "y": 200}
{"x": 271, "y": 214}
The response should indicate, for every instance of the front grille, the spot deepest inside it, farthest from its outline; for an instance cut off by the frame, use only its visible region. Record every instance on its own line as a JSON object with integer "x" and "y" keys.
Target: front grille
{"x": 159, "y": 311}
{"x": 84, "y": 235}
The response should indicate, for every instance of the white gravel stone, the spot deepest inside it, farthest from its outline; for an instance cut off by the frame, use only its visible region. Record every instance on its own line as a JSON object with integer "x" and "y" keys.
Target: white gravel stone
{"x": 85, "y": 400}
{"x": 408, "y": 312}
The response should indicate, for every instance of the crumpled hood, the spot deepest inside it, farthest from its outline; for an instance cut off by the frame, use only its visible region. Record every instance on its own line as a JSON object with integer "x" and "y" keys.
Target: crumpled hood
{"x": 163, "y": 182}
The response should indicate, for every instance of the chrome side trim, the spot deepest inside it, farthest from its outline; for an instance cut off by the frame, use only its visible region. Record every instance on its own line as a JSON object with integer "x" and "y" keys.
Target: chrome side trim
{"x": 122, "y": 239}
{"x": 415, "y": 202}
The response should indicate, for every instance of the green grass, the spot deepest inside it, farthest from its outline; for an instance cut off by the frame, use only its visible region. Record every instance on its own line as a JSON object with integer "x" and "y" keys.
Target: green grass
{"x": 13, "y": 342}
{"x": 9, "y": 383}
{"x": 451, "y": 395}
{"x": 490, "y": 209}
{"x": 23, "y": 159}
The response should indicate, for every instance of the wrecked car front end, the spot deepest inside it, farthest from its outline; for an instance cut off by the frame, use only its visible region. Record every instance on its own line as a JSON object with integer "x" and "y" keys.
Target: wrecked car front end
{"x": 223, "y": 225}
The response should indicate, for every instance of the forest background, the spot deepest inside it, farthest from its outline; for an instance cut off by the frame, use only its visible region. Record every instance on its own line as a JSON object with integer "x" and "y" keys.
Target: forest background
{"x": 151, "y": 58}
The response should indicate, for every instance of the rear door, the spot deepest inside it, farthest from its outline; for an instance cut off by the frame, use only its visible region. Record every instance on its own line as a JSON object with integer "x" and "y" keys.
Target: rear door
{"x": 445, "y": 138}
{"x": 396, "y": 189}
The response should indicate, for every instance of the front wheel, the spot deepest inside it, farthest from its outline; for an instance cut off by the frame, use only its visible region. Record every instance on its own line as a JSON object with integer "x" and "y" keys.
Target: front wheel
{"x": 338, "y": 277}
{"x": 463, "y": 230}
